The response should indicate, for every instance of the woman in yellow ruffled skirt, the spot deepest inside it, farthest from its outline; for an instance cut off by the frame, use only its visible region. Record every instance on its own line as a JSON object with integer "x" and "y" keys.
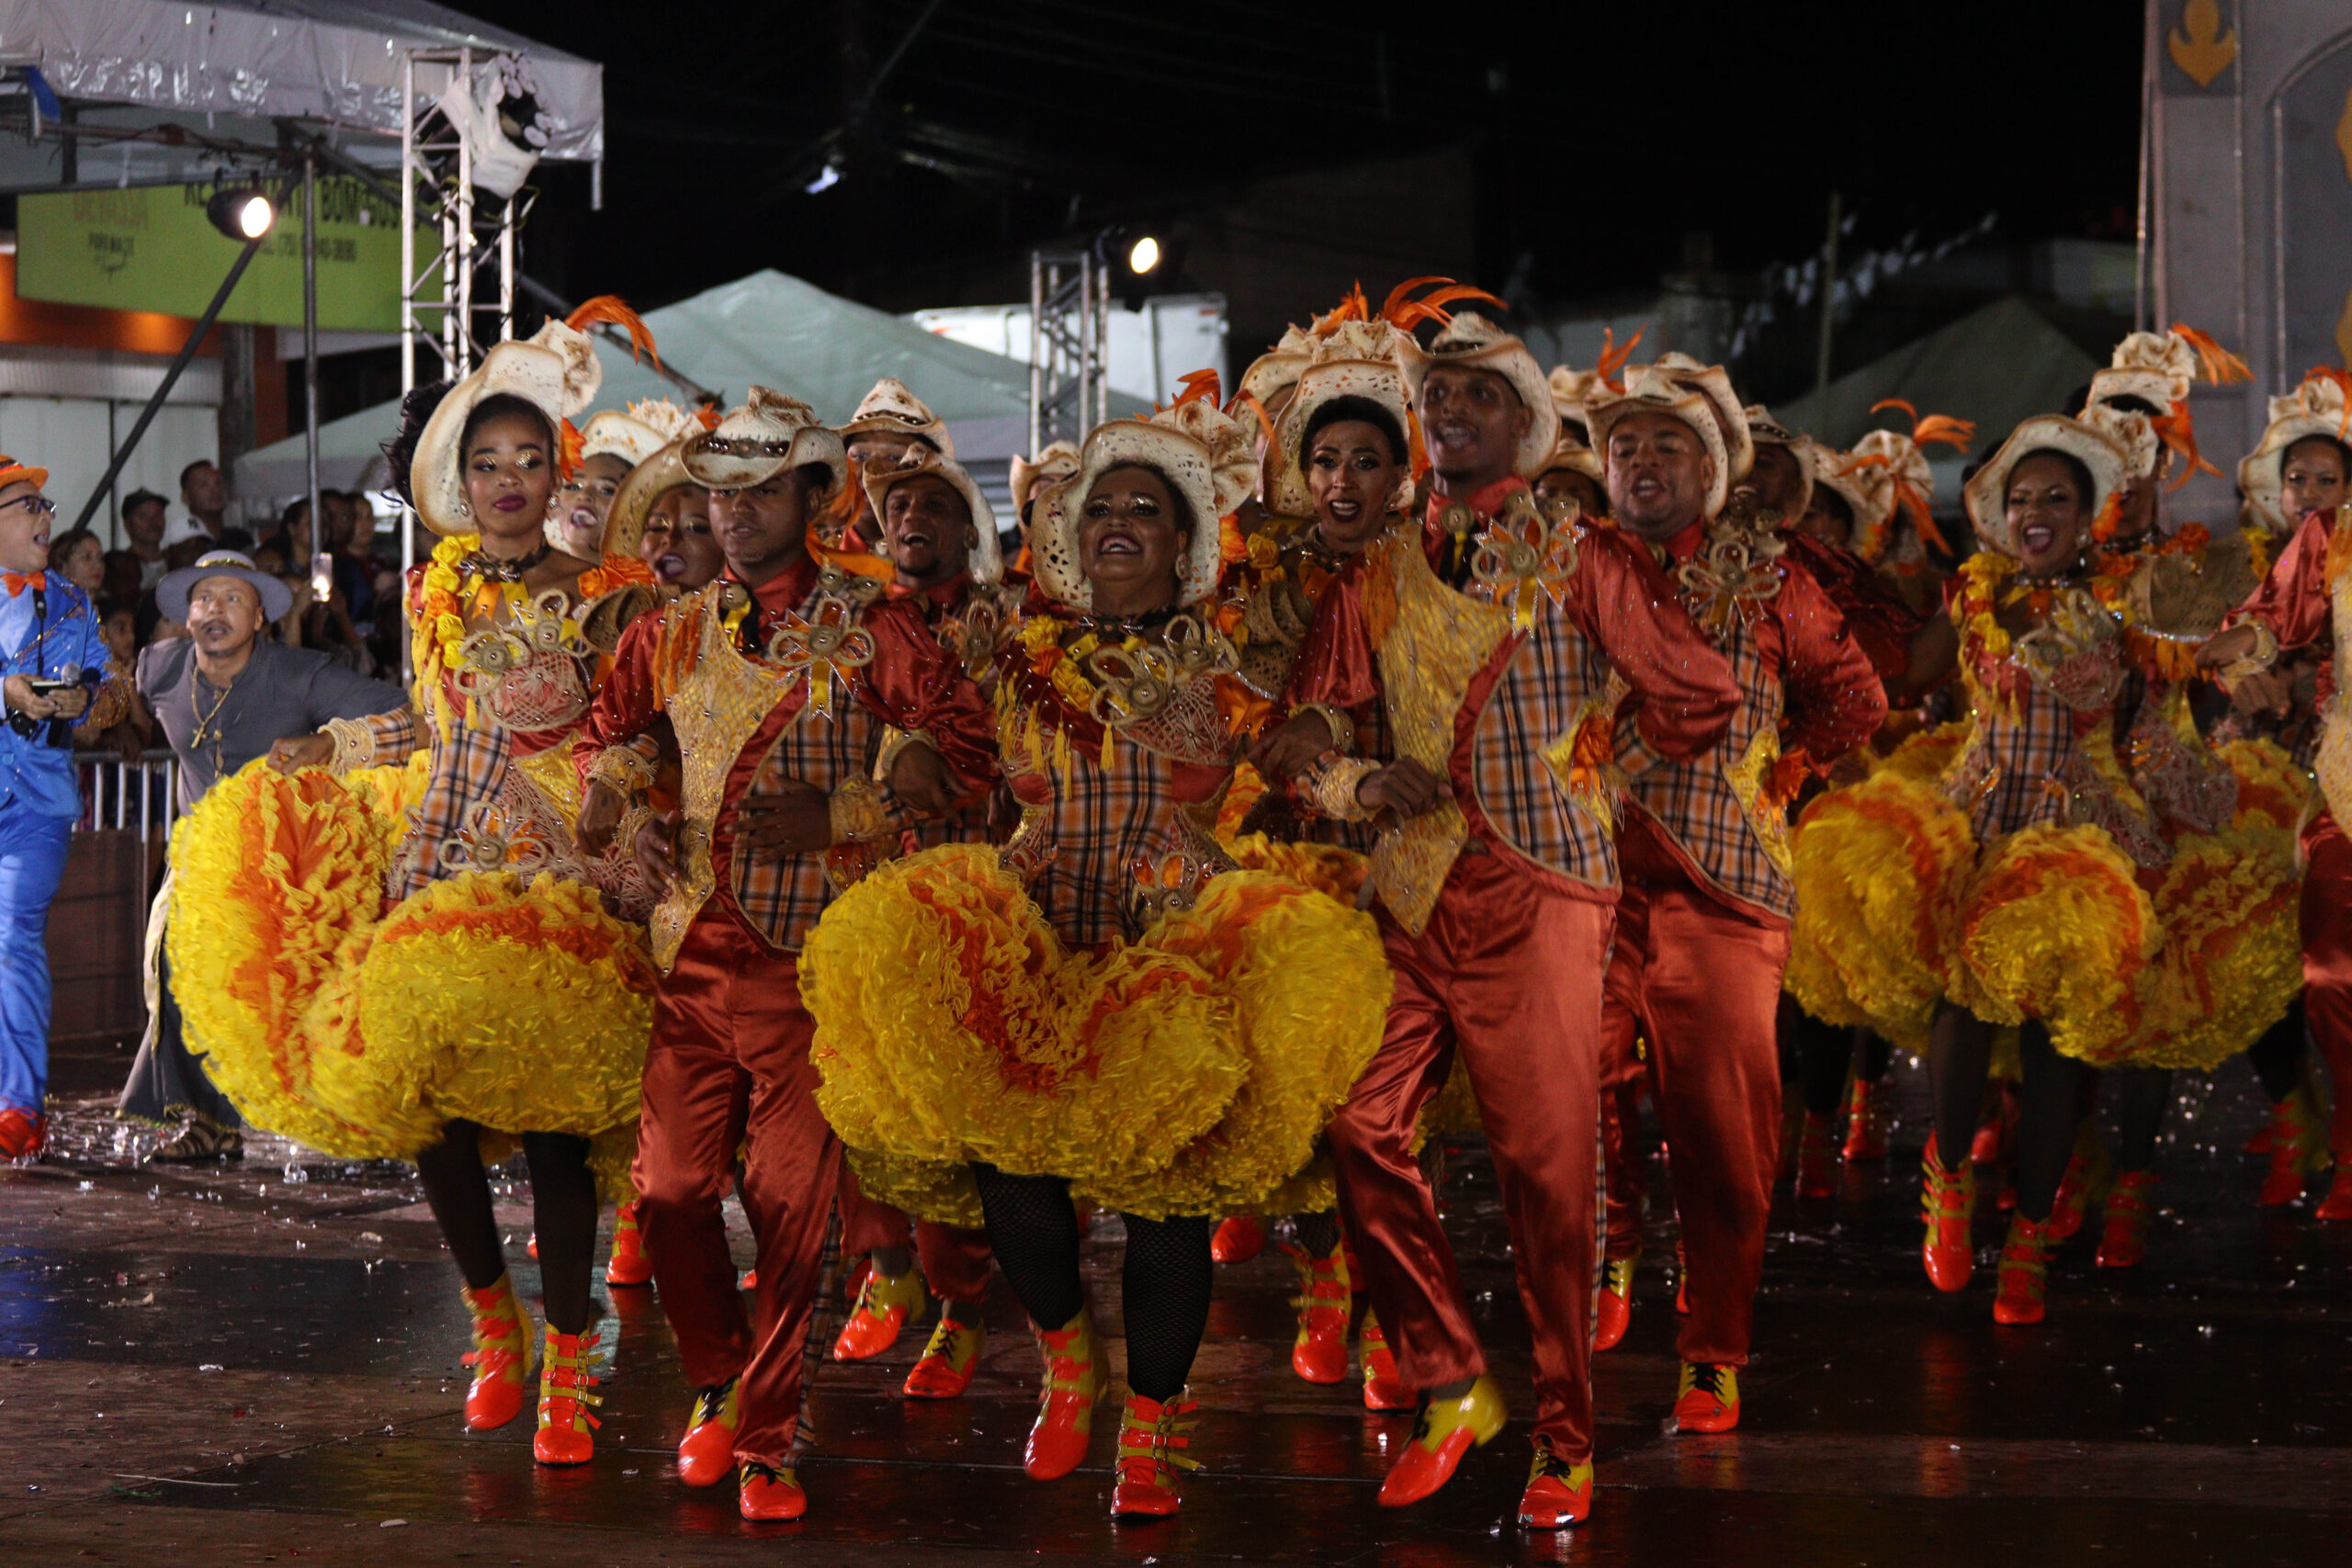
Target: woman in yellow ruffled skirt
{"x": 2071, "y": 859}
{"x": 1104, "y": 1010}
{"x": 387, "y": 940}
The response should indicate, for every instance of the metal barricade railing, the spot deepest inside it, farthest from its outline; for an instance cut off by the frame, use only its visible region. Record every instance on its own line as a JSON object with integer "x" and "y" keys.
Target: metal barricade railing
{"x": 140, "y": 798}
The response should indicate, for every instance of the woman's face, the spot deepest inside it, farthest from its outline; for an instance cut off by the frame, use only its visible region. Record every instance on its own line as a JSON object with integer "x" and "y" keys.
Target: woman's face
{"x": 2047, "y": 512}
{"x": 581, "y": 503}
{"x": 510, "y": 476}
{"x": 1353, "y": 476}
{"x": 678, "y": 544}
{"x": 1129, "y": 540}
{"x": 2312, "y": 479}
{"x": 1556, "y": 487}
{"x": 86, "y": 565}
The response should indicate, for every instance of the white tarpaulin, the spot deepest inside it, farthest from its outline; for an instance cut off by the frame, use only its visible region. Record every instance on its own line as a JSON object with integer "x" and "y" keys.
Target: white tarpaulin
{"x": 332, "y": 61}
{"x": 768, "y": 330}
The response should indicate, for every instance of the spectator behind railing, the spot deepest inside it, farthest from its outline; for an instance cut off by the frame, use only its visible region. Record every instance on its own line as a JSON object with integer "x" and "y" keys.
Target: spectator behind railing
{"x": 222, "y": 694}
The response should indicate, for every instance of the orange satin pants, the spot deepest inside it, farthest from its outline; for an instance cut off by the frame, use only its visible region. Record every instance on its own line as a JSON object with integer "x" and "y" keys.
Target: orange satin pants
{"x": 2327, "y": 963}
{"x": 1702, "y": 984}
{"x": 955, "y": 1258}
{"x": 727, "y": 1067}
{"x": 1507, "y": 973}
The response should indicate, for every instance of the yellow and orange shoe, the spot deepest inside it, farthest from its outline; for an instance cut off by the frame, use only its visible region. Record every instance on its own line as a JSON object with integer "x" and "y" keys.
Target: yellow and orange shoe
{"x": 2297, "y": 1144}
{"x": 884, "y": 1306}
{"x": 2088, "y": 1174}
{"x": 1707, "y": 1398}
{"x": 2025, "y": 1273}
{"x": 2123, "y": 1229}
{"x": 1948, "y": 1205}
{"x": 1153, "y": 1436}
{"x": 948, "y": 1363}
{"x": 1866, "y": 1121}
{"x": 1074, "y": 1383}
{"x": 749, "y": 1281}
{"x": 2338, "y": 1204}
{"x": 771, "y": 1491}
{"x": 1558, "y": 1494}
{"x": 564, "y": 1435}
{"x": 628, "y": 1264}
{"x": 1817, "y": 1157}
{"x": 1238, "y": 1239}
{"x": 707, "y": 1454}
{"x": 1443, "y": 1431}
{"x": 501, "y": 1357}
{"x": 1319, "y": 1354}
{"x": 1382, "y": 1389}
{"x": 1614, "y": 1313}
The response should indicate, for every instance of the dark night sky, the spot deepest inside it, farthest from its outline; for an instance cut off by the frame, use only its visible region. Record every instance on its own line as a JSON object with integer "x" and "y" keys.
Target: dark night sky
{"x": 1603, "y": 134}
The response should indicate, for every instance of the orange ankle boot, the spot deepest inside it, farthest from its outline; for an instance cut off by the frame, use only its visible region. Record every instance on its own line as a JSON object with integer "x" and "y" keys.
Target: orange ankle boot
{"x": 2123, "y": 1230}
{"x": 1615, "y": 1312}
{"x": 771, "y": 1491}
{"x": 1865, "y": 1121}
{"x": 1319, "y": 1354}
{"x": 2338, "y": 1204}
{"x": 501, "y": 1357}
{"x": 706, "y": 1452}
{"x": 2025, "y": 1273}
{"x": 1817, "y": 1157}
{"x": 1153, "y": 1436}
{"x": 564, "y": 1436}
{"x": 1442, "y": 1433}
{"x": 1706, "y": 1398}
{"x": 2088, "y": 1174}
{"x": 945, "y": 1370}
{"x": 1074, "y": 1383}
{"x": 2297, "y": 1146}
{"x": 1238, "y": 1239}
{"x": 628, "y": 1264}
{"x": 1948, "y": 1205}
{"x": 884, "y": 1306}
{"x": 1558, "y": 1494}
{"x": 1382, "y": 1389}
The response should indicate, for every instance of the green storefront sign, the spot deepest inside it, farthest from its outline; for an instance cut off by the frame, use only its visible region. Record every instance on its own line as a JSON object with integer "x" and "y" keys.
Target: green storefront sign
{"x": 153, "y": 249}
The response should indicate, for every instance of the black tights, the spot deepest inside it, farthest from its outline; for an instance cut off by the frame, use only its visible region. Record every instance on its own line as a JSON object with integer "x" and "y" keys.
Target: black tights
{"x": 563, "y": 1199}
{"x": 1165, "y": 1281}
{"x": 2278, "y": 1056}
{"x": 2142, "y": 1097}
{"x": 1824, "y": 1051}
{"x": 1960, "y": 1057}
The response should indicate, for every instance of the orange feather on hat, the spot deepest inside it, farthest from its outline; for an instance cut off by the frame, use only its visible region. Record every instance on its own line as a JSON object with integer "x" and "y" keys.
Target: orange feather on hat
{"x": 1612, "y": 358}
{"x": 2343, "y": 380}
{"x": 1405, "y": 314}
{"x": 1353, "y": 307}
{"x": 1198, "y": 384}
{"x": 609, "y": 308}
{"x": 2221, "y": 366}
{"x": 569, "y": 446}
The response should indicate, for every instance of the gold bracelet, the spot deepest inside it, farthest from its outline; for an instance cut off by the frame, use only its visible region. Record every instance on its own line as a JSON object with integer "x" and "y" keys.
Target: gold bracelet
{"x": 858, "y": 813}
{"x": 894, "y": 741}
{"x": 1344, "y": 729}
{"x": 2264, "y": 654}
{"x": 622, "y": 768}
{"x": 1330, "y": 783}
{"x": 355, "y": 745}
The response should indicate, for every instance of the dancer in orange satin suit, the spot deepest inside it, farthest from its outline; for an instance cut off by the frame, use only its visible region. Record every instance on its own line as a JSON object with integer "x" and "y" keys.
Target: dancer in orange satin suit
{"x": 807, "y": 716}
{"x": 1703, "y": 926}
{"x": 1524, "y": 664}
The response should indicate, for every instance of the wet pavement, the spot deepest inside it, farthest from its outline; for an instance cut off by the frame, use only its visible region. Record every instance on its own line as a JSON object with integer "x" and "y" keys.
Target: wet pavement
{"x": 258, "y": 1363}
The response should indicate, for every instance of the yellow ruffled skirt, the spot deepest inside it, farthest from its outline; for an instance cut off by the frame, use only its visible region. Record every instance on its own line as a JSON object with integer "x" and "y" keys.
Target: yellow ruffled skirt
{"x": 362, "y": 1031}
{"x": 1192, "y": 1072}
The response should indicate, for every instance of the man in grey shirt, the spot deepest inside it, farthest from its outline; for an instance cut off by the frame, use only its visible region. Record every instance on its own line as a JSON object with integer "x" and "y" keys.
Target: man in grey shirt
{"x": 222, "y": 696}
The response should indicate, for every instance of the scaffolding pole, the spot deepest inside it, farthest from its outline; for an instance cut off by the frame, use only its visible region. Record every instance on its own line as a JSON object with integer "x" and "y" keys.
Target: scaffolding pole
{"x": 1069, "y": 303}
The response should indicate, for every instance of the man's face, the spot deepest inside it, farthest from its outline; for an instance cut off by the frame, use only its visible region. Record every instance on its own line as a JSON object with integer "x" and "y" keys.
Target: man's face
{"x": 1473, "y": 420}
{"x": 760, "y": 529}
{"x": 223, "y": 615}
{"x": 25, "y": 515}
{"x": 144, "y": 524}
{"x": 2312, "y": 479}
{"x": 205, "y": 491}
{"x": 927, "y": 531}
{"x": 1659, "y": 474}
{"x": 1777, "y": 479}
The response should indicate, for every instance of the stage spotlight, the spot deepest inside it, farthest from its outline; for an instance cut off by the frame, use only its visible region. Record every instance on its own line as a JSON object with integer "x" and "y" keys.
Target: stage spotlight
{"x": 1144, "y": 256}
{"x": 243, "y": 214}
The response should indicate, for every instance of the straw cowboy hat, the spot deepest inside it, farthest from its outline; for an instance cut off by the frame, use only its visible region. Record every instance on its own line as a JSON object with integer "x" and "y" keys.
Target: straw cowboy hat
{"x": 1357, "y": 360}
{"x": 1655, "y": 390}
{"x": 1986, "y": 492}
{"x": 891, "y": 409}
{"x": 760, "y": 438}
{"x": 883, "y": 474}
{"x": 1469, "y": 339}
{"x": 1055, "y": 463}
{"x": 1763, "y": 430}
{"x": 554, "y": 370}
{"x": 637, "y": 432}
{"x": 1204, "y": 453}
{"x": 2315, "y": 407}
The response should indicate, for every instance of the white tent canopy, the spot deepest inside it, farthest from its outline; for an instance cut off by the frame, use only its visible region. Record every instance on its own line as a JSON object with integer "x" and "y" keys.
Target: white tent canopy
{"x": 766, "y": 328}
{"x": 335, "y": 62}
